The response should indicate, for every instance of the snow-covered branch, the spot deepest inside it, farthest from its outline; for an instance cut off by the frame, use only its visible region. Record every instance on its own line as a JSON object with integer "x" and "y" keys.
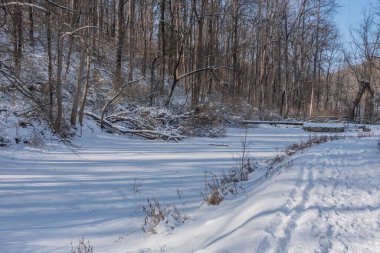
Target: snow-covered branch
{"x": 79, "y": 29}
{"x": 115, "y": 97}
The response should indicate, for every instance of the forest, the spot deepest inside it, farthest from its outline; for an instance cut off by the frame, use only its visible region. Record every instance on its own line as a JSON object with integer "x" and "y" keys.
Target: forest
{"x": 189, "y": 126}
{"x": 283, "y": 58}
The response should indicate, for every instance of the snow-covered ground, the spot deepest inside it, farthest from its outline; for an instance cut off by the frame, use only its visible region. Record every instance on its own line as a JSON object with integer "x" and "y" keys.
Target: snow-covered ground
{"x": 325, "y": 200}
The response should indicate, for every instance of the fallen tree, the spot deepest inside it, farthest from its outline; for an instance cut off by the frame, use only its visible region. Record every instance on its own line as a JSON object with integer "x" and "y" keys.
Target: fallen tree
{"x": 145, "y": 133}
{"x": 116, "y": 96}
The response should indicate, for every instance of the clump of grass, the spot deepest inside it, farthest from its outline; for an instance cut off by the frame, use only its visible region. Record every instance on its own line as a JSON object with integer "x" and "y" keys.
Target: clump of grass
{"x": 84, "y": 246}
{"x": 214, "y": 191}
{"x": 136, "y": 186}
{"x": 218, "y": 188}
{"x": 155, "y": 213}
{"x": 367, "y": 134}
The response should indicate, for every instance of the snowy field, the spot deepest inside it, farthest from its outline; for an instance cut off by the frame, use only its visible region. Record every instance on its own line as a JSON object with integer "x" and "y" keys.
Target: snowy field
{"x": 326, "y": 200}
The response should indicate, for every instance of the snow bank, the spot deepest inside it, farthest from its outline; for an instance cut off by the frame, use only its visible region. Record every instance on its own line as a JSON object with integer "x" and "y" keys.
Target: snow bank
{"x": 327, "y": 200}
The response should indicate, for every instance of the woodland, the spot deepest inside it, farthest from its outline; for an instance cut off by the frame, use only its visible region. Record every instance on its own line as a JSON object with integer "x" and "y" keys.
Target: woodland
{"x": 188, "y": 126}
{"x": 255, "y": 59}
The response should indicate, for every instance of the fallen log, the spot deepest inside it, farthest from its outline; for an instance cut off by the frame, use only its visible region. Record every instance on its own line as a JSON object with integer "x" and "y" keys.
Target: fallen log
{"x": 136, "y": 124}
{"x": 272, "y": 122}
{"x": 147, "y": 134}
{"x": 317, "y": 129}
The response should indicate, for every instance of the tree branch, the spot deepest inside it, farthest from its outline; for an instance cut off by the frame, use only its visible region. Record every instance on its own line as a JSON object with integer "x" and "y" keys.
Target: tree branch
{"x": 23, "y": 5}
{"x": 115, "y": 97}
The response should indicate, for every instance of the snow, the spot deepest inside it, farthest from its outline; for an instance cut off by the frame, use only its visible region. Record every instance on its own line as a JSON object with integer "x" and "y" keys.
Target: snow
{"x": 326, "y": 200}
{"x": 329, "y": 125}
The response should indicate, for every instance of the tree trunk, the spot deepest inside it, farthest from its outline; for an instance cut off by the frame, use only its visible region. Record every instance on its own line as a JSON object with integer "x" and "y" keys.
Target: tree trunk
{"x": 31, "y": 25}
{"x": 132, "y": 39}
{"x": 362, "y": 87}
{"x": 50, "y": 64}
{"x": 120, "y": 45}
{"x": 17, "y": 39}
{"x": 78, "y": 88}
{"x": 234, "y": 83}
{"x": 58, "y": 88}
{"x": 86, "y": 86}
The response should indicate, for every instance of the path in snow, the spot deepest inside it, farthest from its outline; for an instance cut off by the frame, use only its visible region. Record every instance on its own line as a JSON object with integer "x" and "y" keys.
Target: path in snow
{"x": 335, "y": 204}
{"x": 328, "y": 201}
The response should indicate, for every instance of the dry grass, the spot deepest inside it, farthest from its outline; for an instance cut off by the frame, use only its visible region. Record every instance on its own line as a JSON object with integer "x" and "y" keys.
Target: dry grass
{"x": 84, "y": 246}
{"x": 298, "y": 147}
{"x": 218, "y": 187}
{"x": 155, "y": 213}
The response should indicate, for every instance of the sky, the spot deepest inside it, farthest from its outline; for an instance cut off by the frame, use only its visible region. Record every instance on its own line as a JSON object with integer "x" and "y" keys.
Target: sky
{"x": 349, "y": 15}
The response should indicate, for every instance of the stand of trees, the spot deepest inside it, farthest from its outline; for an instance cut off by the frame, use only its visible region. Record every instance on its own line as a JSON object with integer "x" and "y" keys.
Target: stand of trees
{"x": 281, "y": 55}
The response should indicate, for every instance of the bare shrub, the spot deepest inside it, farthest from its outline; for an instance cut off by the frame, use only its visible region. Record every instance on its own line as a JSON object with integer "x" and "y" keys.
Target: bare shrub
{"x": 297, "y": 147}
{"x": 179, "y": 192}
{"x": 214, "y": 198}
{"x": 239, "y": 108}
{"x": 4, "y": 141}
{"x": 136, "y": 187}
{"x": 240, "y": 171}
{"x": 310, "y": 142}
{"x": 214, "y": 190}
{"x": 277, "y": 159}
{"x": 277, "y": 168}
{"x": 35, "y": 140}
{"x": 156, "y": 213}
{"x": 175, "y": 217}
{"x": 244, "y": 165}
{"x": 218, "y": 188}
{"x": 365, "y": 129}
{"x": 84, "y": 246}
{"x": 204, "y": 120}
{"x": 366, "y": 134}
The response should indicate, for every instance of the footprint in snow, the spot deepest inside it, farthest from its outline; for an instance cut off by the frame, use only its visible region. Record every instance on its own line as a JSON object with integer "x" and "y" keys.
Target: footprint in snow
{"x": 264, "y": 245}
{"x": 325, "y": 244}
{"x": 293, "y": 193}
{"x": 274, "y": 224}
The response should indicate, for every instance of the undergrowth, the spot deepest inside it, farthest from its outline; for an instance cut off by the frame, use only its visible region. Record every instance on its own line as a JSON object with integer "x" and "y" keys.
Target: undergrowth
{"x": 297, "y": 147}
{"x": 217, "y": 188}
{"x": 155, "y": 213}
{"x": 84, "y": 246}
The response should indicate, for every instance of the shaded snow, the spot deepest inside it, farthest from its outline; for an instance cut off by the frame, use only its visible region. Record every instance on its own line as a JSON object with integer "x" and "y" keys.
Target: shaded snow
{"x": 319, "y": 204}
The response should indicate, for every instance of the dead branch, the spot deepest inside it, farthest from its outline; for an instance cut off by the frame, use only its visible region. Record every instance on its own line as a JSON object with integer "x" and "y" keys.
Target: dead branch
{"x": 147, "y": 134}
{"x": 118, "y": 93}
{"x": 23, "y": 5}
